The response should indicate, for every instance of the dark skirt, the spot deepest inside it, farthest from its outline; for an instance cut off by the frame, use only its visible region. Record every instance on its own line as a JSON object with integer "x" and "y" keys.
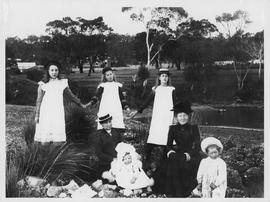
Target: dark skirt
{"x": 181, "y": 175}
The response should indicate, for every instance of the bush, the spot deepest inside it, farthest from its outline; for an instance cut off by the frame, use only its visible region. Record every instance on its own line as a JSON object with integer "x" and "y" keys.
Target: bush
{"x": 21, "y": 91}
{"x": 35, "y": 75}
{"x": 137, "y": 91}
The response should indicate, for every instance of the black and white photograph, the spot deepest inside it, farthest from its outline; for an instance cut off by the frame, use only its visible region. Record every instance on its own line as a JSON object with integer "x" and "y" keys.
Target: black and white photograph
{"x": 134, "y": 99}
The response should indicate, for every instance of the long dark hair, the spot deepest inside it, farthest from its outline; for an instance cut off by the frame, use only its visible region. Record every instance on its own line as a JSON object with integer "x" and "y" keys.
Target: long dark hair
{"x": 47, "y": 77}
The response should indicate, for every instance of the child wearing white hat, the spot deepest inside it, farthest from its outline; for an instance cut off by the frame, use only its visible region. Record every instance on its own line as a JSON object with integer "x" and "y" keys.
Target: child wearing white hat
{"x": 127, "y": 170}
{"x": 212, "y": 172}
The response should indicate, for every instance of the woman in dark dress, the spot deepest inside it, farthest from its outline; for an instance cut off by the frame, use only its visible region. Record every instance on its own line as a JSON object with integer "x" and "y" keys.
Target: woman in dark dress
{"x": 184, "y": 157}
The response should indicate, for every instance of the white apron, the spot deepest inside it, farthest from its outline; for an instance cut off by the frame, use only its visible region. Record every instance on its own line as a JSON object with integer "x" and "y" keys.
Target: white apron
{"x": 51, "y": 126}
{"x": 110, "y": 104}
{"x": 162, "y": 116}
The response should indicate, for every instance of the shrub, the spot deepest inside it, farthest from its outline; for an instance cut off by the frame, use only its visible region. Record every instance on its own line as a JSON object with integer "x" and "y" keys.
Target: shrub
{"x": 35, "y": 74}
{"x": 21, "y": 91}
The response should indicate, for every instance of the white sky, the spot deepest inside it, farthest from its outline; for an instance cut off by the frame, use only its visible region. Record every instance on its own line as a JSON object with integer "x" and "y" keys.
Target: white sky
{"x": 25, "y": 17}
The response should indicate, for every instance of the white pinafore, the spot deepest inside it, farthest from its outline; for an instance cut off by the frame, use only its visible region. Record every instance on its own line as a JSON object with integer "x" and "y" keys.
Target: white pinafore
{"x": 51, "y": 126}
{"x": 162, "y": 116}
{"x": 110, "y": 104}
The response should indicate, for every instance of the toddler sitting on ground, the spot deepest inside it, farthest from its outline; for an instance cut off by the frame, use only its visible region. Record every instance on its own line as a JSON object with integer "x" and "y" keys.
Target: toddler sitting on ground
{"x": 127, "y": 170}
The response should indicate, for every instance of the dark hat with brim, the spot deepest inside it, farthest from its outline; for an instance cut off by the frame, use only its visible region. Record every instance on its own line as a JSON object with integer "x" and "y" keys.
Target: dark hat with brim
{"x": 105, "y": 69}
{"x": 182, "y": 107}
{"x": 164, "y": 71}
{"x": 104, "y": 119}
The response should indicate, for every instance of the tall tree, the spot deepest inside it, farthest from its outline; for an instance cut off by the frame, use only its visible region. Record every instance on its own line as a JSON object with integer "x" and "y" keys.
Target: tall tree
{"x": 235, "y": 25}
{"x": 159, "y": 18}
{"x": 234, "y": 22}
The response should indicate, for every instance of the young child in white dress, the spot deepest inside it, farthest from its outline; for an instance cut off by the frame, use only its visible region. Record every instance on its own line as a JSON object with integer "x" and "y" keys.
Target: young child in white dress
{"x": 111, "y": 97}
{"x": 212, "y": 172}
{"x": 50, "y": 115}
{"x": 164, "y": 98}
{"x": 127, "y": 170}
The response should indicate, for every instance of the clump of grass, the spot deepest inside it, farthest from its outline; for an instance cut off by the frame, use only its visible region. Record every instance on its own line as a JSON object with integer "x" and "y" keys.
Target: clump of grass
{"x": 50, "y": 162}
{"x": 74, "y": 159}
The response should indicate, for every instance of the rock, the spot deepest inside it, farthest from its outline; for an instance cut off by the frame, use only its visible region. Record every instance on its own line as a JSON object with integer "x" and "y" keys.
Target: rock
{"x": 54, "y": 191}
{"x": 83, "y": 192}
{"x": 234, "y": 179}
{"x": 127, "y": 192}
{"x": 108, "y": 193}
{"x": 72, "y": 186}
{"x": 101, "y": 194}
{"x": 111, "y": 186}
{"x": 20, "y": 184}
{"x": 34, "y": 181}
{"x": 97, "y": 185}
{"x": 62, "y": 195}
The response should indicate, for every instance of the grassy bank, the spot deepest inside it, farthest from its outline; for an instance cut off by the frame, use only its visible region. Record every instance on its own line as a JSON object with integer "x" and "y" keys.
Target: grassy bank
{"x": 243, "y": 149}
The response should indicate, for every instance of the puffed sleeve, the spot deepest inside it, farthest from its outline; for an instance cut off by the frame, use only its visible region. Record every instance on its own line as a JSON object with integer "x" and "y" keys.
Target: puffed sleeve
{"x": 69, "y": 93}
{"x": 222, "y": 173}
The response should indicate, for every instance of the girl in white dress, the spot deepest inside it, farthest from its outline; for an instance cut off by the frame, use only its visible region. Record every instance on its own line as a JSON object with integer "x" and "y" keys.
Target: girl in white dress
{"x": 212, "y": 172}
{"x": 127, "y": 170}
{"x": 112, "y": 100}
{"x": 164, "y": 98}
{"x": 50, "y": 115}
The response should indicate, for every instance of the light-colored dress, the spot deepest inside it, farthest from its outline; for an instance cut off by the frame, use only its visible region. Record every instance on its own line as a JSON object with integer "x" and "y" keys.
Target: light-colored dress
{"x": 51, "y": 126}
{"x": 110, "y": 104}
{"x": 212, "y": 171}
{"x": 124, "y": 173}
{"x": 162, "y": 116}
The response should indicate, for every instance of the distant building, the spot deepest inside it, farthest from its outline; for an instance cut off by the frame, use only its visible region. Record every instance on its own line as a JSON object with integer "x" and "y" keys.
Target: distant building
{"x": 23, "y": 66}
{"x": 223, "y": 63}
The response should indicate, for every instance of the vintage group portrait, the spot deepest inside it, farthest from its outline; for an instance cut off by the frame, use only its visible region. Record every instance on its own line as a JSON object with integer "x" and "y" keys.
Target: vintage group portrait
{"x": 134, "y": 99}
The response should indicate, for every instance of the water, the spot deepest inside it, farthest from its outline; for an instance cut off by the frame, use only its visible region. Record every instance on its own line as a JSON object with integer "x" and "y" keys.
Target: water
{"x": 247, "y": 117}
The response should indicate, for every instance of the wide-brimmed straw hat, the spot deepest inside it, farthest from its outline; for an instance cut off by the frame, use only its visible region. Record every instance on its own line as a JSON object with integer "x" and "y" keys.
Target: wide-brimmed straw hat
{"x": 103, "y": 119}
{"x": 211, "y": 141}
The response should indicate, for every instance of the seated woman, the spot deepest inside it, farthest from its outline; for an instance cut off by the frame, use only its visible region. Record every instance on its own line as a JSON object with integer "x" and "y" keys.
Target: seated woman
{"x": 107, "y": 139}
{"x": 184, "y": 159}
{"x": 127, "y": 170}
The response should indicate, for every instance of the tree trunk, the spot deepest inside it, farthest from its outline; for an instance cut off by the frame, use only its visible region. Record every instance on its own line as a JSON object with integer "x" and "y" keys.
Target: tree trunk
{"x": 158, "y": 60}
{"x": 148, "y": 48}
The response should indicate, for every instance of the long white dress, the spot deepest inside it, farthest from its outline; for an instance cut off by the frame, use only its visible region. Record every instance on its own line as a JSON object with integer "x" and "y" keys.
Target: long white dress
{"x": 162, "y": 116}
{"x": 51, "y": 126}
{"x": 124, "y": 173}
{"x": 212, "y": 171}
{"x": 110, "y": 104}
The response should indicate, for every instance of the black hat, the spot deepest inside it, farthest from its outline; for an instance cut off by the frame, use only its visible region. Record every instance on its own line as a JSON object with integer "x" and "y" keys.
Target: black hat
{"x": 164, "y": 71}
{"x": 182, "y": 107}
{"x": 104, "y": 119}
{"x": 105, "y": 69}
